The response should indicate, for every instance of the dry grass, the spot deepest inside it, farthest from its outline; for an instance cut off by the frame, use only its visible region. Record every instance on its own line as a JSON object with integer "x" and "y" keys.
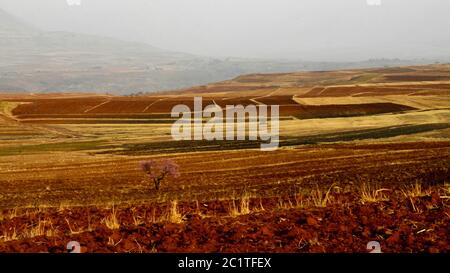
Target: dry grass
{"x": 234, "y": 210}
{"x": 243, "y": 208}
{"x": 173, "y": 215}
{"x": 41, "y": 228}
{"x": 10, "y": 214}
{"x": 371, "y": 195}
{"x": 416, "y": 191}
{"x": 111, "y": 221}
{"x": 138, "y": 220}
{"x": 446, "y": 191}
{"x": 153, "y": 218}
{"x": 415, "y": 208}
{"x": 198, "y": 211}
{"x": 111, "y": 242}
{"x": 301, "y": 202}
{"x": 80, "y": 230}
{"x": 282, "y": 204}
{"x": 321, "y": 199}
{"x": 9, "y": 236}
{"x": 35, "y": 229}
{"x": 261, "y": 206}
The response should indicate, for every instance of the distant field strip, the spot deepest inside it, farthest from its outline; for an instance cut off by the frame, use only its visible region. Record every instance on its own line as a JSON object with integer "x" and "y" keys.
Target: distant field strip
{"x": 50, "y": 147}
{"x": 365, "y": 90}
{"x": 419, "y": 102}
{"x": 169, "y": 147}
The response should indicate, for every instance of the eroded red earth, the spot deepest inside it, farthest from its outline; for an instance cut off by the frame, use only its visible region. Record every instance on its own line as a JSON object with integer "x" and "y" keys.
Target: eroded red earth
{"x": 346, "y": 224}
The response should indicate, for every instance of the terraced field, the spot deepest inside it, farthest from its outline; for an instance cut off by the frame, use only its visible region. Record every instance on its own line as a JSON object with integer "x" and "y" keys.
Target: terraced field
{"x": 353, "y": 144}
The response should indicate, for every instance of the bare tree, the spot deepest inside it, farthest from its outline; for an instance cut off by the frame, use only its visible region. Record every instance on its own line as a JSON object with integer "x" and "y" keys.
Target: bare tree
{"x": 157, "y": 171}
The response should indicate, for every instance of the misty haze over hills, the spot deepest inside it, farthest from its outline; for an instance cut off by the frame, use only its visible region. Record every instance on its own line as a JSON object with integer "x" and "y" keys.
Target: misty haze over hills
{"x": 35, "y": 60}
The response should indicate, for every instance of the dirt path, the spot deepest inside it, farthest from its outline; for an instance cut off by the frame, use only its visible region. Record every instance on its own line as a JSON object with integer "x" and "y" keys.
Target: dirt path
{"x": 255, "y": 99}
{"x": 153, "y": 103}
{"x": 97, "y": 106}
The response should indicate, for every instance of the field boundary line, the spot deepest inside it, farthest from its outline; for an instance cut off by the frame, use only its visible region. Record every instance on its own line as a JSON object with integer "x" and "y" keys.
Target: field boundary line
{"x": 153, "y": 103}
{"x": 95, "y": 107}
{"x": 257, "y": 102}
{"x": 321, "y": 91}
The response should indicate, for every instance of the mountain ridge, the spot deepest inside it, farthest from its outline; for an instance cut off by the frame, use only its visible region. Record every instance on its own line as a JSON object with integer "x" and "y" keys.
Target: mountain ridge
{"x": 33, "y": 60}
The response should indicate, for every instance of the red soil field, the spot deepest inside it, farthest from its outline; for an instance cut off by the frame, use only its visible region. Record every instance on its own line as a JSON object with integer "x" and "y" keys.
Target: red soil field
{"x": 392, "y": 70}
{"x": 343, "y": 110}
{"x": 119, "y": 106}
{"x": 343, "y": 226}
{"x": 416, "y": 78}
{"x": 438, "y": 86}
{"x": 156, "y": 108}
{"x": 89, "y": 106}
{"x": 244, "y": 101}
{"x": 314, "y": 92}
{"x": 58, "y": 106}
{"x": 277, "y": 100}
{"x": 166, "y": 105}
{"x": 358, "y": 90}
{"x": 224, "y": 88}
{"x": 314, "y": 165}
{"x": 363, "y": 91}
{"x": 97, "y": 116}
{"x": 281, "y": 218}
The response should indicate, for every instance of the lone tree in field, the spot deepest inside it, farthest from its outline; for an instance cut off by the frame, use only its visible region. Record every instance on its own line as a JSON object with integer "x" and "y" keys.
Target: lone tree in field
{"x": 157, "y": 171}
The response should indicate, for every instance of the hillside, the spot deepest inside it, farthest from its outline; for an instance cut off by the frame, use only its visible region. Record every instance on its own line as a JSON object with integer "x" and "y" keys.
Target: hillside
{"x": 342, "y": 100}
{"x": 35, "y": 60}
{"x": 364, "y": 155}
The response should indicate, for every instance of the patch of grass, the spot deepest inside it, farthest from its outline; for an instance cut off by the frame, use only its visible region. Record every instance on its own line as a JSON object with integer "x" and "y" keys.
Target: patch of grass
{"x": 138, "y": 220}
{"x": 181, "y": 146}
{"x": 6, "y": 107}
{"x": 362, "y": 78}
{"x": 73, "y": 232}
{"x": 301, "y": 201}
{"x": 111, "y": 221}
{"x": 446, "y": 191}
{"x": 13, "y": 213}
{"x": 378, "y": 133}
{"x": 173, "y": 215}
{"x": 9, "y": 236}
{"x": 321, "y": 198}
{"x": 41, "y": 228}
{"x": 371, "y": 195}
{"x": 168, "y": 147}
{"x": 51, "y": 147}
{"x": 416, "y": 191}
{"x": 415, "y": 208}
{"x": 282, "y": 204}
{"x": 243, "y": 207}
{"x": 36, "y": 229}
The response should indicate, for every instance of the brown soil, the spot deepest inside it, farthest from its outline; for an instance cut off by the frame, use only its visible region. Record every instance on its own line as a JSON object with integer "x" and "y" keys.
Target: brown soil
{"x": 400, "y": 224}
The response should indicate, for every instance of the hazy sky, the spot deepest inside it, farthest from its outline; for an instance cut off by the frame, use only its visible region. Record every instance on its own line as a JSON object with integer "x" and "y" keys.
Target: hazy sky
{"x": 302, "y": 29}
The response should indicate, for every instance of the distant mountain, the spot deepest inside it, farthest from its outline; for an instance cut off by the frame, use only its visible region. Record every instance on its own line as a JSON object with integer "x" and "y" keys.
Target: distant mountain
{"x": 34, "y": 60}
{"x": 39, "y": 61}
{"x": 13, "y": 27}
